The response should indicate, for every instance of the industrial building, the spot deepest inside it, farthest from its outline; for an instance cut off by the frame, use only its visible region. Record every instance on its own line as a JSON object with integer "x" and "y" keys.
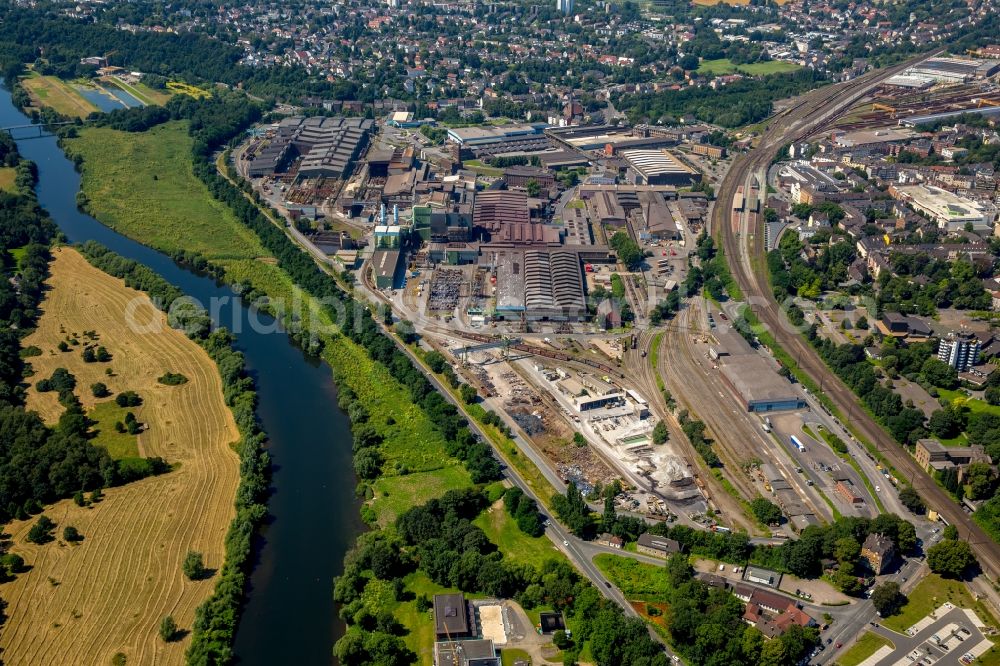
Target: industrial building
{"x": 954, "y": 70}
{"x": 608, "y": 138}
{"x": 658, "y": 167}
{"x": 387, "y": 267}
{"x": 757, "y": 385}
{"x": 329, "y": 146}
{"x": 951, "y": 211}
{"x": 520, "y": 176}
{"x": 960, "y": 350}
{"x": 537, "y": 284}
{"x": 492, "y": 140}
{"x": 495, "y": 208}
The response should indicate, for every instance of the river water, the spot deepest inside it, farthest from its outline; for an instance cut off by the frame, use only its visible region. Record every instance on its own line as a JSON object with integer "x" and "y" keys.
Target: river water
{"x": 289, "y": 616}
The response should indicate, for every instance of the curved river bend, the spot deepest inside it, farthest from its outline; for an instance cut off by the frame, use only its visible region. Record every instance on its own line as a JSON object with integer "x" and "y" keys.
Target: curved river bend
{"x": 289, "y": 616}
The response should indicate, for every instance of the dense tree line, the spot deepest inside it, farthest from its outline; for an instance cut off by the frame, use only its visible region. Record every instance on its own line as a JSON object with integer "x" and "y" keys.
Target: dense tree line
{"x": 801, "y": 557}
{"x": 736, "y": 104}
{"x": 216, "y": 619}
{"x": 695, "y": 432}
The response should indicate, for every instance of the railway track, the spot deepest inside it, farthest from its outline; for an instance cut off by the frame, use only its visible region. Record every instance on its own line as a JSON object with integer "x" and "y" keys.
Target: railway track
{"x": 798, "y": 123}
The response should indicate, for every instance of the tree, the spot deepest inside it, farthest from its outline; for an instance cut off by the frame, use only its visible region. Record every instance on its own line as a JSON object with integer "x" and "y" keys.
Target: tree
{"x": 939, "y": 373}
{"x": 468, "y": 393}
{"x": 887, "y": 598}
{"x": 12, "y": 563}
{"x": 912, "y": 500}
{"x": 660, "y": 434}
{"x": 368, "y": 463}
{"x": 979, "y": 481}
{"x": 193, "y": 566}
{"x": 950, "y": 533}
{"x": 41, "y": 531}
{"x": 629, "y": 252}
{"x": 71, "y": 534}
{"x": 579, "y": 439}
{"x": 766, "y": 511}
{"x": 168, "y": 629}
{"x": 950, "y": 558}
{"x": 944, "y": 423}
{"x": 128, "y": 399}
{"x": 100, "y": 390}
{"x": 847, "y": 550}
{"x": 533, "y": 188}
{"x": 561, "y": 640}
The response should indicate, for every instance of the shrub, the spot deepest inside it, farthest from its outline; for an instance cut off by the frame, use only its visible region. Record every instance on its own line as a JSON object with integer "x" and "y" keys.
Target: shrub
{"x": 128, "y": 399}
{"x": 172, "y": 379}
{"x": 194, "y": 565}
{"x": 41, "y": 531}
{"x": 168, "y": 629}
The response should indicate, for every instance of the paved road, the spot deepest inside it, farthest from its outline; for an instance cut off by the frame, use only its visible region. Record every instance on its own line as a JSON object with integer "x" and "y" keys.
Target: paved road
{"x": 745, "y": 251}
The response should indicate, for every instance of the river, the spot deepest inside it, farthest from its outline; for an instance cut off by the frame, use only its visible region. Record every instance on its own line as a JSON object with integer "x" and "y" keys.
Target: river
{"x": 289, "y": 615}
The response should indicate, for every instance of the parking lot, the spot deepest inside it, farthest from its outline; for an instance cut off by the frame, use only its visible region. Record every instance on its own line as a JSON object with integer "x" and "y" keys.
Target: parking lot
{"x": 950, "y": 635}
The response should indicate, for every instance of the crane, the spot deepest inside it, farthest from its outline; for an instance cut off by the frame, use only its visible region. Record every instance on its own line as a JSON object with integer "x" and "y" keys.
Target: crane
{"x": 109, "y": 53}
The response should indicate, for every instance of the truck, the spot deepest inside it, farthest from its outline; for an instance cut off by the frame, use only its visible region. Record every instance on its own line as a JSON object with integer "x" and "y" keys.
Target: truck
{"x": 799, "y": 445}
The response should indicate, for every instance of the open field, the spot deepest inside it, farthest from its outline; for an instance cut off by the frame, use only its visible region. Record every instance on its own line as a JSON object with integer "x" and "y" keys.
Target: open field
{"x": 517, "y": 546}
{"x": 866, "y": 646}
{"x": 928, "y": 595}
{"x": 57, "y": 95}
{"x": 396, "y": 494}
{"x": 725, "y": 66}
{"x": 7, "y": 175}
{"x": 973, "y": 404}
{"x": 142, "y": 185}
{"x": 106, "y": 413}
{"x": 85, "y": 603}
{"x": 636, "y": 580}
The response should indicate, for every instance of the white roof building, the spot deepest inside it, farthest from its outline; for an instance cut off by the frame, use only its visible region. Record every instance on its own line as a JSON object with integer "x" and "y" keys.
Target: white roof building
{"x": 949, "y": 210}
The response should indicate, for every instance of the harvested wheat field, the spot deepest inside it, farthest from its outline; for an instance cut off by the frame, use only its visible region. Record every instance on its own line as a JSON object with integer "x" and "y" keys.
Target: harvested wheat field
{"x": 84, "y": 603}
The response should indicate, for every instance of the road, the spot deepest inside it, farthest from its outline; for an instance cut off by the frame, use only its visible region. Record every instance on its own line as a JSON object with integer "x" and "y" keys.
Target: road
{"x": 745, "y": 252}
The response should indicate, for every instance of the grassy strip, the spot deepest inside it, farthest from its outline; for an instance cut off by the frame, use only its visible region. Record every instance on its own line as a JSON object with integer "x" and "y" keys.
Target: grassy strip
{"x": 866, "y": 646}
{"x": 726, "y": 276}
{"x": 654, "y": 359}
